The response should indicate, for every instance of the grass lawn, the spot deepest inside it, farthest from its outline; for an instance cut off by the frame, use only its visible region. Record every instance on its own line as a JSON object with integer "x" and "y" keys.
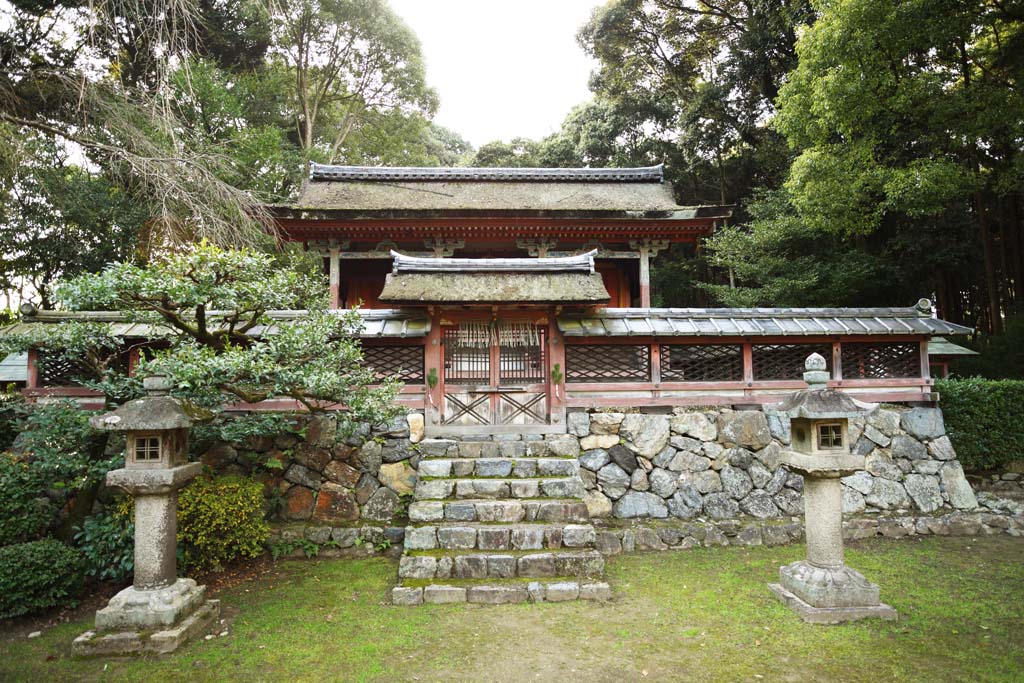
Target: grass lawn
{"x": 701, "y": 615}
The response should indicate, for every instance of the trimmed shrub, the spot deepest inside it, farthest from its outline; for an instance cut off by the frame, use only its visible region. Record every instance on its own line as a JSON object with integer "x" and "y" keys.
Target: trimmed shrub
{"x": 38, "y": 575}
{"x": 220, "y": 520}
{"x": 26, "y": 512}
{"x": 107, "y": 543}
{"x": 984, "y": 420}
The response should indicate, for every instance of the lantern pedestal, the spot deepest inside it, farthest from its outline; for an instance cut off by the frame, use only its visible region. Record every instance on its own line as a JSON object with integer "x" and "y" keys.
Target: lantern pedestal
{"x": 821, "y": 588}
{"x": 159, "y": 611}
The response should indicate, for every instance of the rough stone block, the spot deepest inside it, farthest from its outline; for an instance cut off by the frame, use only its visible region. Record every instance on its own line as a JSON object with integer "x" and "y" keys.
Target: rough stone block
{"x": 417, "y": 567}
{"x": 442, "y": 595}
{"x": 578, "y": 535}
{"x": 562, "y": 591}
{"x": 406, "y": 596}
{"x": 539, "y": 565}
{"x": 496, "y": 595}
{"x": 456, "y": 538}
{"x": 528, "y": 538}
{"x": 470, "y": 567}
{"x": 501, "y": 566}
{"x": 492, "y": 539}
{"x": 420, "y": 538}
{"x": 595, "y": 591}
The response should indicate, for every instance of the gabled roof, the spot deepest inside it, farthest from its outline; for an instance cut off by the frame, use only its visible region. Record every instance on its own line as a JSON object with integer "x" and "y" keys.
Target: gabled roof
{"x": 394, "y": 192}
{"x": 425, "y": 280}
{"x": 647, "y": 174}
{"x": 940, "y": 346}
{"x": 14, "y": 368}
{"x": 581, "y": 263}
{"x": 753, "y": 322}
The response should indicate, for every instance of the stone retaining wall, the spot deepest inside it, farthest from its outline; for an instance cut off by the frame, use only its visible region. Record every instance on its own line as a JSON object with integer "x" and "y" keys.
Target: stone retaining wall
{"x": 690, "y": 464}
{"x": 326, "y": 479}
{"x": 723, "y": 464}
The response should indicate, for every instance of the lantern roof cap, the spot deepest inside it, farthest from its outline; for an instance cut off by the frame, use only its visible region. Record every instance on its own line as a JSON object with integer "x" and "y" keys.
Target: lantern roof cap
{"x": 155, "y": 412}
{"x": 817, "y": 401}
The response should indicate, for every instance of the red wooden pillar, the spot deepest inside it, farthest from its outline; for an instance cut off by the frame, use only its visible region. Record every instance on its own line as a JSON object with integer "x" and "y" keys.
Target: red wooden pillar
{"x": 556, "y": 359}
{"x": 837, "y": 361}
{"x": 748, "y": 368}
{"x": 433, "y": 361}
{"x": 655, "y": 363}
{"x": 32, "y": 373}
{"x": 925, "y": 365}
{"x": 645, "y": 277}
{"x": 335, "y": 276}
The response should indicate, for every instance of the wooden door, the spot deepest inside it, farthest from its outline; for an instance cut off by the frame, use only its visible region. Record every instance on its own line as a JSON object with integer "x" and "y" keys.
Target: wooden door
{"x": 495, "y": 375}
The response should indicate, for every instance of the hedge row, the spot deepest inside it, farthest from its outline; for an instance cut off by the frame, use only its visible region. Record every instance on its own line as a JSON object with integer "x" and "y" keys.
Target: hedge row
{"x": 38, "y": 575}
{"x": 984, "y": 420}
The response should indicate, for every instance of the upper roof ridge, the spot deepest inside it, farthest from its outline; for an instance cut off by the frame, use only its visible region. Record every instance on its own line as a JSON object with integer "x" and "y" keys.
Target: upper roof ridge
{"x": 617, "y": 175}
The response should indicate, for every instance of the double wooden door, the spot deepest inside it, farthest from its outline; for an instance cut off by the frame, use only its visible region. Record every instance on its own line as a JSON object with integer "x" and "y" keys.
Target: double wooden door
{"x": 495, "y": 374}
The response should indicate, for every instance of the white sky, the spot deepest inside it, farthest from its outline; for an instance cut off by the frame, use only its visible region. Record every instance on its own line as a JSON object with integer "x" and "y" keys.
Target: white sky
{"x": 502, "y": 69}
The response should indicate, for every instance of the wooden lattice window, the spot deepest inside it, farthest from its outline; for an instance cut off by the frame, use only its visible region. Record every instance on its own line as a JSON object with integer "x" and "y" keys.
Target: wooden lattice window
{"x": 607, "y": 363}
{"x": 786, "y": 361}
{"x": 702, "y": 363}
{"x": 523, "y": 362}
{"x": 465, "y": 363}
{"x": 875, "y": 360}
{"x": 388, "y": 361}
{"x": 830, "y": 436}
{"x": 147, "y": 448}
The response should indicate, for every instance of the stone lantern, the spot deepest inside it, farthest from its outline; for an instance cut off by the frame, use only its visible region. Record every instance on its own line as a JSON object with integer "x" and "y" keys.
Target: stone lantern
{"x": 822, "y": 589}
{"x": 159, "y": 611}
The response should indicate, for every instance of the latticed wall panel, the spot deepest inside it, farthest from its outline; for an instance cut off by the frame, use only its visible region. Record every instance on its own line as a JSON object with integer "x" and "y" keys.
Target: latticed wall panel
{"x": 405, "y": 362}
{"x": 55, "y": 370}
{"x": 607, "y": 363}
{"x": 702, "y": 362}
{"x": 881, "y": 361}
{"x": 786, "y": 361}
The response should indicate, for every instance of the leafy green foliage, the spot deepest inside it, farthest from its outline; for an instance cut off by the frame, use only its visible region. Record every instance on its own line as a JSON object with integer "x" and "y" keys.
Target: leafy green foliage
{"x": 61, "y": 447}
{"x": 220, "y": 520}
{"x": 210, "y": 306}
{"x": 27, "y": 512}
{"x": 106, "y": 541}
{"x": 1002, "y": 357}
{"x": 905, "y": 115}
{"x": 984, "y": 420}
{"x": 38, "y": 575}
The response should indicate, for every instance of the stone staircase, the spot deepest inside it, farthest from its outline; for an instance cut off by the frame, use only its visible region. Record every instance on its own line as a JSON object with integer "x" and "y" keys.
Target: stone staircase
{"x": 498, "y": 522}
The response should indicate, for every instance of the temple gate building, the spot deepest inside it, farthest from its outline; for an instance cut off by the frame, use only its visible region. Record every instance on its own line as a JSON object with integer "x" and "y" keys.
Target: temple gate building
{"x": 508, "y": 296}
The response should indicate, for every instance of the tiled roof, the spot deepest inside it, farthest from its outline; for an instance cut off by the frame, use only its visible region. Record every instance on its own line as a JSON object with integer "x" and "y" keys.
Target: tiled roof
{"x": 753, "y": 322}
{"x": 377, "y": 323}
{"x": 14, "y": 368}
{"x": 325, "y": 172}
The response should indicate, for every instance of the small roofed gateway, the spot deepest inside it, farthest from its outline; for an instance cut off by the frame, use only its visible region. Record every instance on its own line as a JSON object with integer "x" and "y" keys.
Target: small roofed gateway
{"x": 507, "y": 297}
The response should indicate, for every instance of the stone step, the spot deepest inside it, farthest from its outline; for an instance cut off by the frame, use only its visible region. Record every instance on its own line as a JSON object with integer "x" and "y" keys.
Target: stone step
{"x": 568, "y": 510}
{"x": 499, "y": 489}
{"x": 498, "y": 467}
{"x": 562, "y": 589}
{"x": 476, "y": 564}
{"x": 499, "y": 536}
{"x": 561, "y": 447}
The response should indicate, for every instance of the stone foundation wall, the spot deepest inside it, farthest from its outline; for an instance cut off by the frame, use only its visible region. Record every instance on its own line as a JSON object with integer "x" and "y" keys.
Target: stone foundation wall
{"x": 329, "y": 481}
{"x": 721, "y": 464}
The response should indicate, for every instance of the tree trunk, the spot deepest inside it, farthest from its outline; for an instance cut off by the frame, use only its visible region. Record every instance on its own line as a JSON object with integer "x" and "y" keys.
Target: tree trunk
{"x": 991, "y": 285}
